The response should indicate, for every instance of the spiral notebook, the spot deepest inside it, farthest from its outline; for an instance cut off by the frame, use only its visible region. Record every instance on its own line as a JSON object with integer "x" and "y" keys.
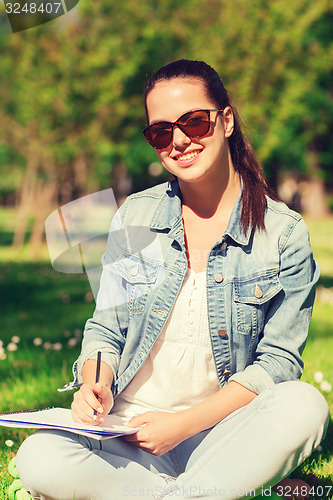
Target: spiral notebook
{"x": 61, "y": 418}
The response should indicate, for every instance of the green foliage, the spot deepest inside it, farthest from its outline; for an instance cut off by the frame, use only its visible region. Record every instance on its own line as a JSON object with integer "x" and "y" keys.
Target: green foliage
{"x": 75, "y": 85}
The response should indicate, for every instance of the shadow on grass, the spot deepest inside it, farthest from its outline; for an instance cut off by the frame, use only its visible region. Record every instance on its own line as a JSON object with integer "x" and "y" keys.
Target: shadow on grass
{"x": 38, "y": 301}
{"x": 327, "y": 444}
{"x": 6, "y": 238}
{"x": 326, "y": 281}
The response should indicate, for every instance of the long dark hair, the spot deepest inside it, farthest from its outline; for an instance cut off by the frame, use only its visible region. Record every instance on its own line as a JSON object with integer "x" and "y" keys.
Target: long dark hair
{"x": 255, "y": 187}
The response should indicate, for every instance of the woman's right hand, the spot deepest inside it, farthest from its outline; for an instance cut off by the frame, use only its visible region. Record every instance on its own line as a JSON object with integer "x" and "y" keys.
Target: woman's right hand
{"x": 85, "y": 402}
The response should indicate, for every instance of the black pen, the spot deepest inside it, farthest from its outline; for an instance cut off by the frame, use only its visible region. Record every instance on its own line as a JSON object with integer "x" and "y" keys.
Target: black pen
{"x": 98, "y": 371}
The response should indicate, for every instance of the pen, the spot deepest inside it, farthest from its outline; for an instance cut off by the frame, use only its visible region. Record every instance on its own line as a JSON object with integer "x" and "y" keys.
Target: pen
{"x": 98, "y": 371}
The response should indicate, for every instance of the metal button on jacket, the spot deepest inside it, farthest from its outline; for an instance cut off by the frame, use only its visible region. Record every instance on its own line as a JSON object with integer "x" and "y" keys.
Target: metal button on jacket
{"x": 222, "y": 332}
{"x": 226, "y": 373}
{"x": 258, "y": 293}
{"x": 218, "y": 278}
{"x": 224, "y": 246}
{"x": 134, "y": 271}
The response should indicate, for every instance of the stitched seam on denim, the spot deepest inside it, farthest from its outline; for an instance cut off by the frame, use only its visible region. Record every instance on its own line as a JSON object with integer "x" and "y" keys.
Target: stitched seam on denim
{"x": 282, "y": 210}
{"x": 174, "y": 460}
{"x": 148, "y": 193}
{"x": 291, "y": 229}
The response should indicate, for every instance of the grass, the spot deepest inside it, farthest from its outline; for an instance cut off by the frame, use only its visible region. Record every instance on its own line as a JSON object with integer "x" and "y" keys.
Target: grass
{"x": 36, "y": 301}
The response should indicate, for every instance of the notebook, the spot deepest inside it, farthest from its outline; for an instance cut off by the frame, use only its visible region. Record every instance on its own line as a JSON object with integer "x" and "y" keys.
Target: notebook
{"x": 61, "y": 418}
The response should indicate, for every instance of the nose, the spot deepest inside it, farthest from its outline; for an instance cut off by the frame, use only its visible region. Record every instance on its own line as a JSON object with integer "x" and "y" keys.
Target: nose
{"x": 179, "y": 138}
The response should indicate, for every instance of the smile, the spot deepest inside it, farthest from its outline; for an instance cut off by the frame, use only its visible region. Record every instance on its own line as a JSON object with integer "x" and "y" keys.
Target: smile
{"x": 187, "y": 156}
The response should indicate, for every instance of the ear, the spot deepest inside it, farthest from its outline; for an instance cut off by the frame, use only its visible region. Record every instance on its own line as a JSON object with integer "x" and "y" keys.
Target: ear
{"x": 228, "y": 121}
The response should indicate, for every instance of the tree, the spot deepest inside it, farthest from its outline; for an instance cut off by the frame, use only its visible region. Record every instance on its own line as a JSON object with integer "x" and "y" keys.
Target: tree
{"x": 71, "y": 112}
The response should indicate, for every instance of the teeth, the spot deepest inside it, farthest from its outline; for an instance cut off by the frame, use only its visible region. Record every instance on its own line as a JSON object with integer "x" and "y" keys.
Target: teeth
{"x": 188, "y": 155}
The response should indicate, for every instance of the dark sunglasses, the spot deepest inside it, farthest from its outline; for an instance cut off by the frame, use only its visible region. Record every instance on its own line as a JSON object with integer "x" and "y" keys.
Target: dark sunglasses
{"x": 194, "y": 124}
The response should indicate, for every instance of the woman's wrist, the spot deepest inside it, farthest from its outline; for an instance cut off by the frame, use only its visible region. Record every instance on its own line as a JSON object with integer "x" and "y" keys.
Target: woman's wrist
{"x": 89, "y": 373}
{"x": 191, "y": 422}
{"x": 214, "y": 409}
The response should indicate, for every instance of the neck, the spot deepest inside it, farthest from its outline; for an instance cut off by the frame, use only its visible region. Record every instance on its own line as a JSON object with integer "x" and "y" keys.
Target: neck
{"x": 205, "y": 198}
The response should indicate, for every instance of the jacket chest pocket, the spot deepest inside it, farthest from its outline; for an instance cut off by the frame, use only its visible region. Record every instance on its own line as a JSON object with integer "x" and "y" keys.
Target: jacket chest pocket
{"x": 251, "y": 298}
{"x": 139, "y": 277}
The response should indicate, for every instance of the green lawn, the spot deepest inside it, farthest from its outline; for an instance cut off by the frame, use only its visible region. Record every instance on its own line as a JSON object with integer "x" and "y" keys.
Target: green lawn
{"x": 38, "y": 302}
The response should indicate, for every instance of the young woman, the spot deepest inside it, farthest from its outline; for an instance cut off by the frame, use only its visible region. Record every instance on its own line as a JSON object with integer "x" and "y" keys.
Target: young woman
{"x": 202, "y": 316}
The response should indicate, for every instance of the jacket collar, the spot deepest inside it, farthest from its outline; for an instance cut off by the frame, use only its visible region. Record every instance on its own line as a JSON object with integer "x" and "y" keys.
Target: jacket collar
{"x": 168, "y": 215}
{"x": 168, "y": 212}
{"x": 234, "y": 229}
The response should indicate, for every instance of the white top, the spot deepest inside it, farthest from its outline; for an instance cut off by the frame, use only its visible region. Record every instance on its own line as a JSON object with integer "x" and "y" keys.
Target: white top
{"x": 179, "y": 371}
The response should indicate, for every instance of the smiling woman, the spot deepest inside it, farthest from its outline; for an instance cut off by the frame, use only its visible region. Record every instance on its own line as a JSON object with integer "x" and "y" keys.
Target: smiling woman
{"x": 201, "y": 324}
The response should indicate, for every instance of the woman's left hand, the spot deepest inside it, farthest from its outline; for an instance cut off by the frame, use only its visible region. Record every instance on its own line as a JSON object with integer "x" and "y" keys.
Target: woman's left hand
{"x": 162, "y": 431}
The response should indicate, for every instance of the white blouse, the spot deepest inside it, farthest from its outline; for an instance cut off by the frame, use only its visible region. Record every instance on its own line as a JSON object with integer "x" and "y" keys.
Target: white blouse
{"x": 179, "y": 371}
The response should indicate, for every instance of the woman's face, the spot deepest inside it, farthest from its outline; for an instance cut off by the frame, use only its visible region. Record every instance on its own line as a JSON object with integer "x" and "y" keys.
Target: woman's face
{"x": 197, "y": 159}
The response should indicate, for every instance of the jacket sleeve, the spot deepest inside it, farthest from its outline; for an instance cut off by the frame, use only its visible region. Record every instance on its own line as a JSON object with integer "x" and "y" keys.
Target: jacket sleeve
{"x": 279, "y": 350}
{"x": 106, "y": 330}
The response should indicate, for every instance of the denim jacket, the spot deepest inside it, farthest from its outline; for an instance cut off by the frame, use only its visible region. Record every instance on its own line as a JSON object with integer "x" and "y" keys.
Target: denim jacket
{"x": 260, "y": 291}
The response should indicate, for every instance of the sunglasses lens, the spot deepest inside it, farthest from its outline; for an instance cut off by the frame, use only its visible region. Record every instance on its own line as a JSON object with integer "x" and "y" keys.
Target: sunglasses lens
{"x": 193, "y": 124}
{"x": 159, "y": 136}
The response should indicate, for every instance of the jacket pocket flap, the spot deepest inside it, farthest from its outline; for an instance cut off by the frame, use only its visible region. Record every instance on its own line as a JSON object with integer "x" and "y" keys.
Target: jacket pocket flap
{"x": 136, "y": 270}
{"x": 257, "y": 290}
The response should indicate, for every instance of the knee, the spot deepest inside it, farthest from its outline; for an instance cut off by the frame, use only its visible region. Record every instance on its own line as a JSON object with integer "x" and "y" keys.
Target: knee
{"x": 311, "y": 402}
{"x": 306, "y": 407}
{"x": 37, "y": 462}
{"x": 32, "y": 462}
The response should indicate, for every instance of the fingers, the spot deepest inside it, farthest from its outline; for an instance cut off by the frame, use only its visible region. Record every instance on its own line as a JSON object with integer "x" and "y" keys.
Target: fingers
{"x": 101, "y": 391}
{"x": 86, "y": 402}
{"x": 84, "y": 417}
{"x": 144, "y": 418}
{"x": 143, "y": 444}
{"x": 136, "y": 441}
{"x": 132, "y": 438}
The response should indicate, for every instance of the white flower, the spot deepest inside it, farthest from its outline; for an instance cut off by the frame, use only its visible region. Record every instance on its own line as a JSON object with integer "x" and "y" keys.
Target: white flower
{"x": 88, "y": 297}
{"x": 16, "y": 339}
{"x": 318, "y": 377}
{"x": 326, "y": 386}
{"x": 3, "y": 356}
{"x": 72, "y": 342}
{"x": 37, "y": 341}
{"x": 47, "y": 345}
{"x": 9, "y": 442}
{"x": 57, "y": 346}
{"x": 78, "y": 333}
{"x": 12, "y": 347}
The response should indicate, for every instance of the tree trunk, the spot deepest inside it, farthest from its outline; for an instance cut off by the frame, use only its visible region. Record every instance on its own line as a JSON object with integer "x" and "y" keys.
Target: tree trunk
{"x": 80, "y": 173}
{"x": 313, "y": 193}
{"x": 313, "y": 198}
{"x": 26, "y": 201}
{"x": 45, "y": 198}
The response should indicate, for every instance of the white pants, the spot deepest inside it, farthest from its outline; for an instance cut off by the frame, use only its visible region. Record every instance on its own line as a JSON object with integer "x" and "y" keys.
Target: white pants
{"x": 254, "y": 447}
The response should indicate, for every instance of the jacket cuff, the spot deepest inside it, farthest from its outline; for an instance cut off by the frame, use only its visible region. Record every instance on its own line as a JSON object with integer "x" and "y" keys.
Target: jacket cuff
{"x": 254, "y": 377}
{"x": 90, "y": 350}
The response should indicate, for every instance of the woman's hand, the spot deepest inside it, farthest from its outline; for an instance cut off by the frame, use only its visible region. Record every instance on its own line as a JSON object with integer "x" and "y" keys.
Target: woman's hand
{"x": 85, "y": 402}
{"x": 162, "y": 431}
